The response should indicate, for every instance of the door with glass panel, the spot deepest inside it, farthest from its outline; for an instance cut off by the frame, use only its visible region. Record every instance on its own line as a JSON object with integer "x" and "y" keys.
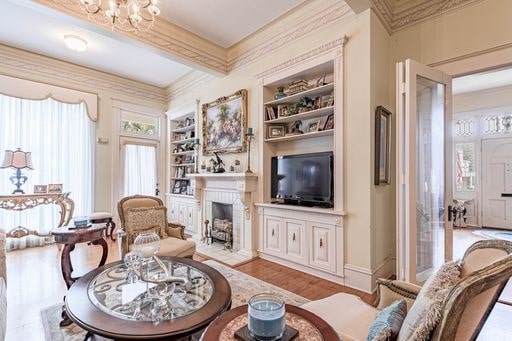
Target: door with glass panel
{"x": 424, "y": 234}
{"x": 139, "y": 168}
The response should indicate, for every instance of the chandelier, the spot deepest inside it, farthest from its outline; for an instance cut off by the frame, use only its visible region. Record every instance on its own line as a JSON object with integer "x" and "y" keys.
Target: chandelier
{"x": 125, "y": 15}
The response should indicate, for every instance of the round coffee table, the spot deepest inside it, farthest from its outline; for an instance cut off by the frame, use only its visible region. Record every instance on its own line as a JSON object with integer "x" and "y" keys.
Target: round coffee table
{"x": 310, "y": 326}
{"x": 105, "y": 303}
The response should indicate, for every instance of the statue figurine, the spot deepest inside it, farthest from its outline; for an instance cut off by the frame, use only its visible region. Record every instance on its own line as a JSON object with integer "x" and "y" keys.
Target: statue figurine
{"x": 217, "y": 164}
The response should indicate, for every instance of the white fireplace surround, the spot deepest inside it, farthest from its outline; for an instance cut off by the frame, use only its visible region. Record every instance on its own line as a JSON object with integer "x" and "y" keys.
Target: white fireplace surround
{"x": 237, "y": 189}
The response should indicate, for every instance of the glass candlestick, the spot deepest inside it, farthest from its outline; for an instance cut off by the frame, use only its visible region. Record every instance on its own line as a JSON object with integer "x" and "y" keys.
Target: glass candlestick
{"x": 266, "y": 317}
{"x": 249, "y": 135}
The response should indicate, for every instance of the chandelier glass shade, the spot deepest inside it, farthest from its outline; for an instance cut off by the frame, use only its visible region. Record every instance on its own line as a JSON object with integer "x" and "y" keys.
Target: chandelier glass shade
{"x": 125, "y": 15}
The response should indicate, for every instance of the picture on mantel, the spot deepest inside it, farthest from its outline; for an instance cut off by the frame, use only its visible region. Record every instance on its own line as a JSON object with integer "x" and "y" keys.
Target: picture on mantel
{"x": 224, "y": 124}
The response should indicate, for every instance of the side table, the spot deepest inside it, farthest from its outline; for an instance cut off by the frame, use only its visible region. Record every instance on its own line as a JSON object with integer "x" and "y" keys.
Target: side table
{"x": 70, "y": 237}
{"x": 310, "y": 326}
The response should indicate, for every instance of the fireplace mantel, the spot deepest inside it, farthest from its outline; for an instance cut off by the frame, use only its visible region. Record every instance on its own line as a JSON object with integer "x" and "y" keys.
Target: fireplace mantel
{"x": 238, "y": 189}
{"x": 245, "y": 183}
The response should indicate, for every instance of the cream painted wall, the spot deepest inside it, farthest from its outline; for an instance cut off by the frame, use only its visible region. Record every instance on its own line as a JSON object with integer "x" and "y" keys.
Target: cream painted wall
{"x": 104, "y": 125}
{"x": 479, "y": 27}
{"x": 358, "y": 119}
{"x": 383, "y": 197}
{"x": 481, "y": 100}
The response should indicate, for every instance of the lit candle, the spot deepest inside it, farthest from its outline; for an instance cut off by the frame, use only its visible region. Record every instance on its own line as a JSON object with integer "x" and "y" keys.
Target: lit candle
{"x": 249, "y": 131}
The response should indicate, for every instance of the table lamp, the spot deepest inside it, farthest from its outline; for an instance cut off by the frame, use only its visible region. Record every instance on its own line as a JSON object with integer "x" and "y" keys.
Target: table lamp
{"x": 18, "y": 160}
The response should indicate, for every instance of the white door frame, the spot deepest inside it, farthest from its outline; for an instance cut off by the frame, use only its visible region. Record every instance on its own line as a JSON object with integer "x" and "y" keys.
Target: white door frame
{"x": 117, "y": 175}
{"x": 406, "y": 165}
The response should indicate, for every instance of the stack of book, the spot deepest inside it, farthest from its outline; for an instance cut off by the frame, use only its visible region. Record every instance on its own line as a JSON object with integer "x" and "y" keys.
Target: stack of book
{"x": 296, "y": 87}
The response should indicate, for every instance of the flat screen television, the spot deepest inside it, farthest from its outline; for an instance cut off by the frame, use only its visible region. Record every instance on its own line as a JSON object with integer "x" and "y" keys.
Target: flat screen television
{"x": 303, "y": 179}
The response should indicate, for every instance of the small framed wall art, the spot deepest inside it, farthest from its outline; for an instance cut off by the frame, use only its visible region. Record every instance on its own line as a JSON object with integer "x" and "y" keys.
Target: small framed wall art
{"x": 54, "y": 188}
{"x": 382, "y": 146}
{"x": 40, "y": 189}
{"x": 277, "y": 130}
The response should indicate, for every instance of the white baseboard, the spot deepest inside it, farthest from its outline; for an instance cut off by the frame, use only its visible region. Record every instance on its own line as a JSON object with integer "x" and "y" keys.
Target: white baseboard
{"x": 364, "y": 279}
{"x": 338, "y": 279}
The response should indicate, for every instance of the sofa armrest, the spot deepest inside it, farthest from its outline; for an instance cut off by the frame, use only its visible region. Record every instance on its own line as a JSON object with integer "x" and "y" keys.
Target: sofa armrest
{"x": 389, "y": 291}
{"x": 176, "y": 231}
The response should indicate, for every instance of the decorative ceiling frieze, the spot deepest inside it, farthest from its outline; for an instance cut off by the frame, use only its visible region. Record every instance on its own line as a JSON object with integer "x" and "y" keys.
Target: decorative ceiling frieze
{"x": 185, "y": 46}
{"x": 315, "y": 21}
{"x": 397, "y": 15}
{"x": 14, "y": 61}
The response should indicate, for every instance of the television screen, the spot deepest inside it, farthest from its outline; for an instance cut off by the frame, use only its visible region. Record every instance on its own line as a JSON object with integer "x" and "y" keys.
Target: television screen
{"x": 305, "y": 179}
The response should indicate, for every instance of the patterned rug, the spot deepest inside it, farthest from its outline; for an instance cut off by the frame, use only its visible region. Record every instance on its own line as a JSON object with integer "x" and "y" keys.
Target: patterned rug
{"x": 243, "y": 287}
{"x": 494, "y": 234}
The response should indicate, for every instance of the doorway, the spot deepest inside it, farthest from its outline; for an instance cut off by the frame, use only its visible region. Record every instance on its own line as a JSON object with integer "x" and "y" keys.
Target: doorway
{"x": 139, "y": 167}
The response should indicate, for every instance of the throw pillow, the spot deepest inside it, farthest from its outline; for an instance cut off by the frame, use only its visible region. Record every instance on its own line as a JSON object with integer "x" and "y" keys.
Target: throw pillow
{"x": 425, "y": 313}
{"x": 387, "y": 323}
{"x": 140, "y": 219}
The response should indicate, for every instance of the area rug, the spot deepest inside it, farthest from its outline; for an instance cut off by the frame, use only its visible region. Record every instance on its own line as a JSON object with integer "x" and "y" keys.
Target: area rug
{"x": 494, "y": 234}
{"x": 243, "y": 287}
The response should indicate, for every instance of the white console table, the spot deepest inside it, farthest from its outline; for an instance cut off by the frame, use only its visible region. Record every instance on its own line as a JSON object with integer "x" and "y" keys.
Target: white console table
{"x": 27, "y": 201}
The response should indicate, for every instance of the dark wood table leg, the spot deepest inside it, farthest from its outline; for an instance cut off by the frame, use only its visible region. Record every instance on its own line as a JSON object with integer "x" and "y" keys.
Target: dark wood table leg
{"x": 104, "y": 246}
{"x": 112, "y": 227}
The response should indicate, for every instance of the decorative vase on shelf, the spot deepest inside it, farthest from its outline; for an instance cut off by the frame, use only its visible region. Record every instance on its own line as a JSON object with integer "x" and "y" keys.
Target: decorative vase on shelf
{"x": 280, "y": 93}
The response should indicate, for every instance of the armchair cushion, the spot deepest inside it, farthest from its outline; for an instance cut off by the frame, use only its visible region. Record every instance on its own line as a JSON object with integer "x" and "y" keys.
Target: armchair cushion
{"x": 425, "y": 313}
{"x": 388, "y": 322}
{"x": 347, "y": 314}
{"x": 140, "y": 219}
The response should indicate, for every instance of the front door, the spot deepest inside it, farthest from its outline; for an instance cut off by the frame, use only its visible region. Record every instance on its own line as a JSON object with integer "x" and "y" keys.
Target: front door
{"x": 424, "y": 233}
{"x": 139, "y": 167}
{"x": 497, "y": 183}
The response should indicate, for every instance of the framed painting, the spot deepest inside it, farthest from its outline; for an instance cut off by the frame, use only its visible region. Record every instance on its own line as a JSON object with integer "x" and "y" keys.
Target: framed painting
{"x": 225, "y": 123}
{"x": 382, "y": 146}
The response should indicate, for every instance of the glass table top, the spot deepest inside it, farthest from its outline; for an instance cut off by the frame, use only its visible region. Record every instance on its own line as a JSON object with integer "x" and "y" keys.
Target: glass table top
{"x": 119, "y": 292}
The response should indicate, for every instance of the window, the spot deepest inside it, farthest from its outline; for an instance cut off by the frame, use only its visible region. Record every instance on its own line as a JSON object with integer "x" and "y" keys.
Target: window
{"x": 60, "y": 137}
{"x": 464, "y": 128}
{"x": 465, "y": 167}
{"x": 497, "y": 124}
{"x": 138, "y": 124}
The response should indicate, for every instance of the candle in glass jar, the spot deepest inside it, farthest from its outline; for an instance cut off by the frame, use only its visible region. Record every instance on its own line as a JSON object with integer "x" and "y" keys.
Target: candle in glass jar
{"x": 266, "y": 319}
{"x": 249, "y": 131}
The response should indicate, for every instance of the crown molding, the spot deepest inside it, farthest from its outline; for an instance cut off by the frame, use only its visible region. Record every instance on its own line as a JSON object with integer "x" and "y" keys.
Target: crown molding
{"x": 186, "y": 83}
{"x": 338, "y": 43}
{"x": 14, "y": 61}
{"x": 410, "y": 13}
{"x": 313, "y": 22}
{"x": 184, "y": 46}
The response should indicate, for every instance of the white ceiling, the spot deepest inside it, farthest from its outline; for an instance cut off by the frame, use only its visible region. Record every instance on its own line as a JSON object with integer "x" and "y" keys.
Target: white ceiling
{"x": 31, "y": 29}
{"x": 482, "y": 81}
{"x": 224, "y": 22}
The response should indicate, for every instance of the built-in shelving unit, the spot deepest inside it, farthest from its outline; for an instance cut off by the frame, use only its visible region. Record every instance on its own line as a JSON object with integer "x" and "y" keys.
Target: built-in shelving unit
{"x": 308, "y": 121}
{"x": 182, "y": 153}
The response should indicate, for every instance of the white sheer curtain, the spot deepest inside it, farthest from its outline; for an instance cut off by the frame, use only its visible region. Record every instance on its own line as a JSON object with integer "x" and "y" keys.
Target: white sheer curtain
{"x": 139, "y": 169}
{"x": 61, "y": 139}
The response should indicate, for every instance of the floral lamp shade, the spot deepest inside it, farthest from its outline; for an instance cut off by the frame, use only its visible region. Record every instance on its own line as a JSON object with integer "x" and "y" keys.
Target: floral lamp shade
{"x": 18, "y": 160}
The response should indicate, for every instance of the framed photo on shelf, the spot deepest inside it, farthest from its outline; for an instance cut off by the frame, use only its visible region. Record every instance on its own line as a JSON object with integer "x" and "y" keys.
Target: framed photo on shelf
{"x": 382, "y": 146}
{"x": 313, "y": 126}
{"x": 283, "y": 110}
{"x": 225, "y": 123}
{"x": 40, "y": 189}
{"x": 329, "y": 122}
{"x": 177, "y": 187}
{"x": 54, "y": 188}
{"x": 183, "y": 188}
{"x": 276, "y": 131}
{"x": 271, "y": 115}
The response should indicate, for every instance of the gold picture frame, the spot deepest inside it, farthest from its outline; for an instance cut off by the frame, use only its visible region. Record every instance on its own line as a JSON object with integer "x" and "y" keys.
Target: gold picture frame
{"x": 225, "y": 124}
{"x": 382, "y": 167}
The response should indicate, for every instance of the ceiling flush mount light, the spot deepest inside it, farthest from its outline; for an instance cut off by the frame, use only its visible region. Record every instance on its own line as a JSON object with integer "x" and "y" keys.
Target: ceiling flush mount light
{"x": 126, "y": 15}
{"x": 75, "y": 43}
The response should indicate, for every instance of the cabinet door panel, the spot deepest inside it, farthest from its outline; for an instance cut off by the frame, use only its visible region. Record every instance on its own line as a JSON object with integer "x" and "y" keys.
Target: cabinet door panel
{"x": 272, "y": 234}
{"x": 295, "y": 239}
{"x": 190, "y": 219}
{"x": 173, "y": 212}
{"x": 182, "y": 214}
{"x": 322, "y": 246}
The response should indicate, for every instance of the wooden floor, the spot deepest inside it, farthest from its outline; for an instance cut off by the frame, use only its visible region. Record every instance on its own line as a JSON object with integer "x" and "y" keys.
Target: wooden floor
{"x": 34, "y": 282}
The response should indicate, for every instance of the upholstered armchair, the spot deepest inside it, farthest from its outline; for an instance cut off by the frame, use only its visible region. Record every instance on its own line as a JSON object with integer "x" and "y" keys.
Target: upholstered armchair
{"x": 139, "y": 214}
{"x": 481, "y": 275}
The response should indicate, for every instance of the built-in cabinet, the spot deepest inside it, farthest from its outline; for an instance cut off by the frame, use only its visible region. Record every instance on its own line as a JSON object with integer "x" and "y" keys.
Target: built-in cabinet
{"x": 182, "y": 210}
{"x": 301, "y": 112}
{"x": 304, "y": 238}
